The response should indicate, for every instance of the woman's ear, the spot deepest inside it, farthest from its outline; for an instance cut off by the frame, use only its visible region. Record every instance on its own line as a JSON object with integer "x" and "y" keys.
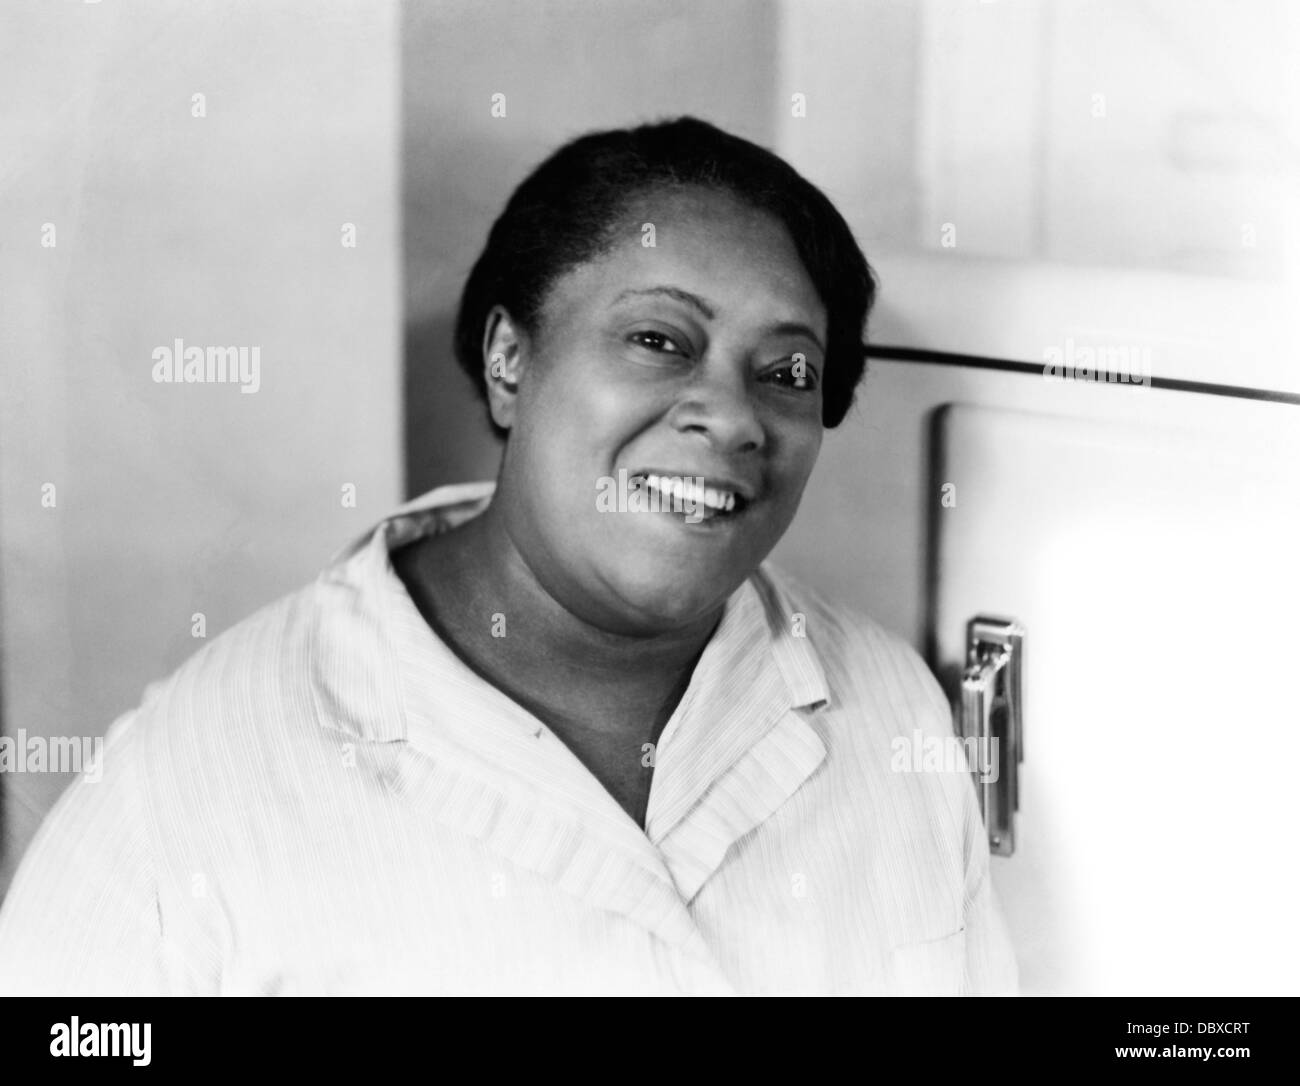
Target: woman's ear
{"x": 503, "y": 364}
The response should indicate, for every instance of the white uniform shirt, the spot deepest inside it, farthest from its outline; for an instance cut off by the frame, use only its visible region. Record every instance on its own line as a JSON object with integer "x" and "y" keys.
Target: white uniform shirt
{"x": 325, "y": 799}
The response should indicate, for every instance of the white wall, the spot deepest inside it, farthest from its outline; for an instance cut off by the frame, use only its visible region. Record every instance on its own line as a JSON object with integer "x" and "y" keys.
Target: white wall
{"x": 869, "y": 138}
{"x": 220, "y": 230}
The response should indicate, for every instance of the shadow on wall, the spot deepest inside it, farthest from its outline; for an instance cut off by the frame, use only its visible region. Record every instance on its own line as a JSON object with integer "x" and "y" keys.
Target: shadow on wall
{"x": 446, "y": 438}
{"x": 446, "y": 435}
{"x": 555, "y": 71}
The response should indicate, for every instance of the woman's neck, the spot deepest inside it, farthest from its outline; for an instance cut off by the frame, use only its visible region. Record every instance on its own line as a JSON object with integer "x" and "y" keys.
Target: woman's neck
{"x": 477, "y": 592}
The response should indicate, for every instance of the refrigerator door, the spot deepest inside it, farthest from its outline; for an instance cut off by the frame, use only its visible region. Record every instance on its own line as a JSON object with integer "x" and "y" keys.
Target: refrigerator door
{"x": 1157, "y": 570}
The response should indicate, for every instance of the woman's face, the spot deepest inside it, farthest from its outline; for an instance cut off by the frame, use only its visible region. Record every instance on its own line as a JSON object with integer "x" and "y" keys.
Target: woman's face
{"x": 697, "y": 357}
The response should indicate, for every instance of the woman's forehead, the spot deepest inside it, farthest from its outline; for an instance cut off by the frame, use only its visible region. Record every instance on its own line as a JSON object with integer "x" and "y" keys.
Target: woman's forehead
{"x": 703, "y": 244}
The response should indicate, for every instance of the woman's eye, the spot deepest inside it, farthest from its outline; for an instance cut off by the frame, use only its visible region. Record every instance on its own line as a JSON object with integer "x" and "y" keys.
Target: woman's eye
{"x": 656, "y": 341}
{"x": 797, "y": 375}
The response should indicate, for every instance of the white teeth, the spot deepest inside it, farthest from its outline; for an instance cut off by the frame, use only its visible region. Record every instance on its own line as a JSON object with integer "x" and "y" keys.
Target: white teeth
{"x": 686, "y": 490}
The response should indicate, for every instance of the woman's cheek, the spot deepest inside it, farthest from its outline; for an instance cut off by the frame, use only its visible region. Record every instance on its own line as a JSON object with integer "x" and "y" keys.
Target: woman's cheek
{"x": 607, "y": 401}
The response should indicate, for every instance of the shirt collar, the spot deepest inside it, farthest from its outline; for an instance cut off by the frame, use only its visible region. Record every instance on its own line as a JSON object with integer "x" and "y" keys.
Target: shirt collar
{"x": 368, "y": 621}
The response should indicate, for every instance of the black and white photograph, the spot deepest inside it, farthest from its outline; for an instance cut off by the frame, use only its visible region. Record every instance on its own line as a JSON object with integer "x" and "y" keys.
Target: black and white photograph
{"x": 621, "y": 498}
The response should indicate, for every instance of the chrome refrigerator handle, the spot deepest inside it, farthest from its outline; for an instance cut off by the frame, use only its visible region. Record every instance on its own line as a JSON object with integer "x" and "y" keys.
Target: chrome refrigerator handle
{"x": 992, "y": 723}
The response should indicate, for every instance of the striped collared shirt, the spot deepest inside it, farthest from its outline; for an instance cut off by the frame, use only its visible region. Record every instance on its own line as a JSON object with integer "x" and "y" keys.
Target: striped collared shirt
{"x": 326, "y": 799}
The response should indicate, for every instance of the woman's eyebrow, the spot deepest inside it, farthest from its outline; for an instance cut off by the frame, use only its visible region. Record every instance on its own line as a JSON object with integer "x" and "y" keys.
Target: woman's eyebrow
{"x": 693, "y": 300}
{"x": 794, "y": 328}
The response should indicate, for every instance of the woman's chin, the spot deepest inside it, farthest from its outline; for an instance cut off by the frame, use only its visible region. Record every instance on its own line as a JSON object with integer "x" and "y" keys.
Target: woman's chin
{"x": 664, "y": 596}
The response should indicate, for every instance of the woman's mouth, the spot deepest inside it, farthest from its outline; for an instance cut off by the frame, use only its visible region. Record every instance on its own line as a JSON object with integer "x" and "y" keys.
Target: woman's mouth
{"x": 693, "y": 497}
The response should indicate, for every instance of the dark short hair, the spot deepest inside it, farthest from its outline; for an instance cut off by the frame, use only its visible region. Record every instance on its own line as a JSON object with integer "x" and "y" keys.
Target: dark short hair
{"x": 567, "y": 210}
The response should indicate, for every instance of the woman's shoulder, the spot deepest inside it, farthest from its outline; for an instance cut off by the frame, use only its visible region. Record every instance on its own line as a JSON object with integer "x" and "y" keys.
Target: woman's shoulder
{"x": 248, "y": 687}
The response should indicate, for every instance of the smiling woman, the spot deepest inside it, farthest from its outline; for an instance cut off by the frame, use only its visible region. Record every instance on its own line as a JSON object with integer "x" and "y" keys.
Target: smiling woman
{"x": 518, "y": 739}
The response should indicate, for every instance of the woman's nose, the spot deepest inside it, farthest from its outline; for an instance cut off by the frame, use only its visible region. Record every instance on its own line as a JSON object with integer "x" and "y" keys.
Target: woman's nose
{"x": 721, "y": 408}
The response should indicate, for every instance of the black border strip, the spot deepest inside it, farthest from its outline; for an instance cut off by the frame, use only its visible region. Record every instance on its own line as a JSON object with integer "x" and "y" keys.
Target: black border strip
{"x": 975, "y": 361}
